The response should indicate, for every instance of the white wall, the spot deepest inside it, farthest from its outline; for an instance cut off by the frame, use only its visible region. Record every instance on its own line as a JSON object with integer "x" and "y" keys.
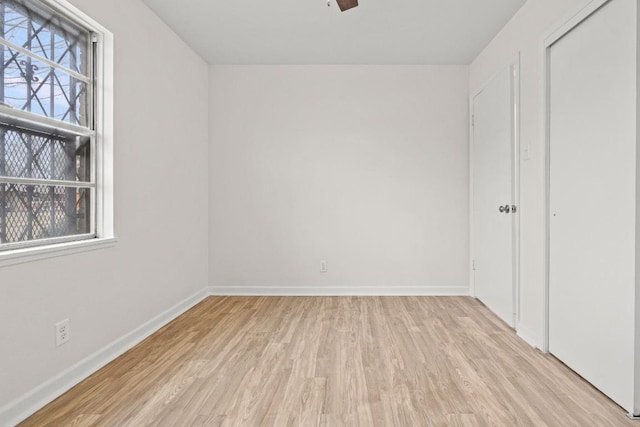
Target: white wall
{"x": 523, "y": 34}
{"x": 160, "y": 212}
{"x": 363, "y": 166}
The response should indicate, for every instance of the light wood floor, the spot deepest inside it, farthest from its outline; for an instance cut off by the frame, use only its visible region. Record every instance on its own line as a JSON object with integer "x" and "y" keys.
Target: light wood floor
{"x": 334, "y": 361}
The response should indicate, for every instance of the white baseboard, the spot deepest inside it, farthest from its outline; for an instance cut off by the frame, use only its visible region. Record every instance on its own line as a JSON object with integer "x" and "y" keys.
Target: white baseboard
{"x": 340, "y": 291}
{"x": 32, "y": 401}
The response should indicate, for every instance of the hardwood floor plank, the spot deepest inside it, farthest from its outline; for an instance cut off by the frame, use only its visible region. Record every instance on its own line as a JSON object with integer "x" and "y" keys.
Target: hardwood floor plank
{"x": 333, "y": 361}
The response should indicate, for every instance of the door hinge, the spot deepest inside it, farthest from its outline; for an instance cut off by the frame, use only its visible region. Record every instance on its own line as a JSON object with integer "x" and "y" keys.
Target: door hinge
{"x": 473, "y": 120}
{"x": 473, "y": 265}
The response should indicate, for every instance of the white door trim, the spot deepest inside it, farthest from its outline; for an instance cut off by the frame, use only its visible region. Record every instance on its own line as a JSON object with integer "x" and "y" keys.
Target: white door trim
{"x": 514, "y": 67}
{"x": 547, "y": 41}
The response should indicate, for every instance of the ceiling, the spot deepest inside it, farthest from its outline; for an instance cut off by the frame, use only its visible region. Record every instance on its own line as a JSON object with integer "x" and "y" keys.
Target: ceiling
{"x": 308, "y": 32}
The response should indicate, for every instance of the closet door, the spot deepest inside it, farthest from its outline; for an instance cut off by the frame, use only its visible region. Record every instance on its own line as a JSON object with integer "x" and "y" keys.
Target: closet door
{"x": 592, "y": 199}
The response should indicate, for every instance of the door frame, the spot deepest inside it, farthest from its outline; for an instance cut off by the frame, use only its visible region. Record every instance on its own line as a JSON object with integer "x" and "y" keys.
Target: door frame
{"x": 547, "y": 42}
{"x": 514, "y": 72}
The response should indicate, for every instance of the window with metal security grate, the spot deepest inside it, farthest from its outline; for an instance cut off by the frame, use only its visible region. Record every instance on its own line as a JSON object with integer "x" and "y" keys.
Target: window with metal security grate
{"x": 47, "y": 126}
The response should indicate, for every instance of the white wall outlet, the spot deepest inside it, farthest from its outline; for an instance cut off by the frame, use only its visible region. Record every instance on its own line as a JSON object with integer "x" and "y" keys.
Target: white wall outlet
{"x": 324, "y": 267}
{"x": 63, "y": 332}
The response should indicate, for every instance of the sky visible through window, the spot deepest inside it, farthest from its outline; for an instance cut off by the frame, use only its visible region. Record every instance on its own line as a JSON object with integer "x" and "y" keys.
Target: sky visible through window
{"x": 33, "y": 85}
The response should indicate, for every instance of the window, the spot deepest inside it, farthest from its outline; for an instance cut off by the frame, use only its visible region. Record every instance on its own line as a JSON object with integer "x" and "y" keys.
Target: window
{"x": 54, "y": 142}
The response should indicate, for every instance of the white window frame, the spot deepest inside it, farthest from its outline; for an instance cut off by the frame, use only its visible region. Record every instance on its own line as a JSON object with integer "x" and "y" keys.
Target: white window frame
{"x": 103, "y": 114}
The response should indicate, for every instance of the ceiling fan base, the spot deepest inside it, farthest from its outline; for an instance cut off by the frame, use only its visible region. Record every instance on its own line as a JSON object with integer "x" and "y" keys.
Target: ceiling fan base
{"x": 347, "y": 4}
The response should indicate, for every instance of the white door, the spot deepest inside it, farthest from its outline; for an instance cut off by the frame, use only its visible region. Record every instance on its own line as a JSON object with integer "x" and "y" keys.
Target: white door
{"x": 493, "y": 193}
{"x": 592, "y": 149}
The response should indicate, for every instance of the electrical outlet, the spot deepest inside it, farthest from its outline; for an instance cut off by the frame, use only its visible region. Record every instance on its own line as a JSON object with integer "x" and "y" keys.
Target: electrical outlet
{"x": 63, "y": 332}
{"x": 324, "y": 267}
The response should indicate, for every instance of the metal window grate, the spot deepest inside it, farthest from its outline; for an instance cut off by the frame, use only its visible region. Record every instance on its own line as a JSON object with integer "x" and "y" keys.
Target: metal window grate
{"x": 31, "y": 85}
{"x": 32, "y": 212}
{"x": 47, "y": 189}
{"x": 31, "y": 154}
{"x": 44, "y": 64}
{"x": 44, "y": 33}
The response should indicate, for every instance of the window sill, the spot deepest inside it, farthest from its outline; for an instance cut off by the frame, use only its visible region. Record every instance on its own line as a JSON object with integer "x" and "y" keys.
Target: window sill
{"x": 20, "y": 256}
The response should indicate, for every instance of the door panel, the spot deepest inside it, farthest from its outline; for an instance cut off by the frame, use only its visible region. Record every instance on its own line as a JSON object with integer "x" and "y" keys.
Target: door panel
{"x": 492, "y": 188}
{"x": 592, "y": 199}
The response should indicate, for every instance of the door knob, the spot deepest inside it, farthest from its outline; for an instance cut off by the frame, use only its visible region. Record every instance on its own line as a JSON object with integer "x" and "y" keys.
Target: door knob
{"x": 505, "y": 209}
